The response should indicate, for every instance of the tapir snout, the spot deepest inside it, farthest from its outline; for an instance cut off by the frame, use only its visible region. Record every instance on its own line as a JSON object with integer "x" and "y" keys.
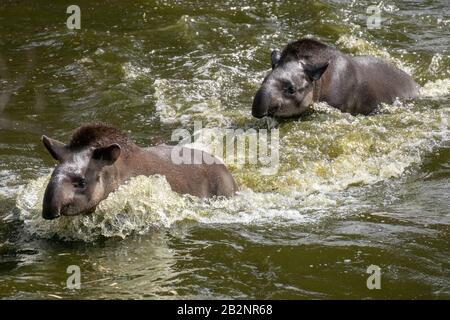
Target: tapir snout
{"x": 55, "y": 200}
{"x": 261, "y": 103}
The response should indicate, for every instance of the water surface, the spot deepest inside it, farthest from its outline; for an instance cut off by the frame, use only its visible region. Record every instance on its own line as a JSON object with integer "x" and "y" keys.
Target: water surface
{"x": 350, "y": 191}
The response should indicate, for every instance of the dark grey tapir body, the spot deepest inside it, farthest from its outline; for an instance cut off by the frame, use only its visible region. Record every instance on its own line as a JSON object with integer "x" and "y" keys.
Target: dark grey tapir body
{"x": 307, "y": 71}
{"x": 99, "y": 158}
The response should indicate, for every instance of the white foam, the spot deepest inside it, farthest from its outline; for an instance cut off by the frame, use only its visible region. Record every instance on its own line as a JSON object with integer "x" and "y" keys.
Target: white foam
{"x": 148, "y": 202}
{"x": 436, "y": 89}
{"x": 195, "y": 98}
{"x": 133, "y": 72}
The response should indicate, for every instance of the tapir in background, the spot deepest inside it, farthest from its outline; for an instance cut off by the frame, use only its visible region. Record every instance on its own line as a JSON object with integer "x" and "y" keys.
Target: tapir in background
{"x": 308, "y": 71}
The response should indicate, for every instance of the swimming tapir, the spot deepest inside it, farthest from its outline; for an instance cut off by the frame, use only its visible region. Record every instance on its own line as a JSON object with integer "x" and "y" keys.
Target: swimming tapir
{"x": 307, "y": 71}
{"x": 100, "y": 157}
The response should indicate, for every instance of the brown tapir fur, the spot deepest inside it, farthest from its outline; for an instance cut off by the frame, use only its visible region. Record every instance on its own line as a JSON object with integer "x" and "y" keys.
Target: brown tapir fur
{"x": 99, "y": 158}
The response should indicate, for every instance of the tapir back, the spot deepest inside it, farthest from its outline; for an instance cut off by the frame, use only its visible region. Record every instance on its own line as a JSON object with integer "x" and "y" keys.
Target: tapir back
{"x": 383, "y": 82}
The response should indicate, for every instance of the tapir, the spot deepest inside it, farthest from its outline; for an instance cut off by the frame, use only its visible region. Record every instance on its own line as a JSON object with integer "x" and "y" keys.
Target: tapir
{"x": 308, "y": 71}
{"x": 99, "y": 158}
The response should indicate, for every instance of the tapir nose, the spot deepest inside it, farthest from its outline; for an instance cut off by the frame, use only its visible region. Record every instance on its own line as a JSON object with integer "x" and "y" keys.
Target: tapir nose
{"x": 51, "y": 211}
{"x": 51, "y": 214}
{"x": 261, "y": 103}
{"x": 51, "y": 207}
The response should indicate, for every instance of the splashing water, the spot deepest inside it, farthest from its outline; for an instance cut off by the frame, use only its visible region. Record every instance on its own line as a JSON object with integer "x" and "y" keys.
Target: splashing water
{"x": 321, "y": 159}
{"x": 322, "y": 156}
{"x": 144, "y": 203}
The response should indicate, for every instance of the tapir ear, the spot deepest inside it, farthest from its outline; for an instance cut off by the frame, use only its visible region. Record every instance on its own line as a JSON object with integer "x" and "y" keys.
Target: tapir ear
{"x": 56, "y": 148}
{"x": 315, "y": 71}
{"x": 275, "y": 57}
{"x": 108, "y": 154}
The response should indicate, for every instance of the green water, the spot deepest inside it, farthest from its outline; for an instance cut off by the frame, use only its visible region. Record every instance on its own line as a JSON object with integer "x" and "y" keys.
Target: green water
{"x": 350, "y": 192}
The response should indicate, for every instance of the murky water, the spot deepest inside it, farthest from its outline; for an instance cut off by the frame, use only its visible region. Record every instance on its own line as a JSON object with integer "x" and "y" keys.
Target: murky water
{"x": 350, "y": 191}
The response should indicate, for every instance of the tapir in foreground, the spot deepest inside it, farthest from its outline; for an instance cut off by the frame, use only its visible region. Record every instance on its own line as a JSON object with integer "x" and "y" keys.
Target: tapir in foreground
{"x": 308, "y": 71}
{"x": 100, "y": 157}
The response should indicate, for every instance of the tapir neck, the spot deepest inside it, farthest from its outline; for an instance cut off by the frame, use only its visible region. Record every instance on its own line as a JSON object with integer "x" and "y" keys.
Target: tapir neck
{"x": 321, "y": 86}
{"x": 317, "y": 88}
{"x": 135, "y": 164}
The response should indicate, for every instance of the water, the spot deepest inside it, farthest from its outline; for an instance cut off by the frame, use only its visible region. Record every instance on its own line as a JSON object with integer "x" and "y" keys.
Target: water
{"x": 350, "y": 191}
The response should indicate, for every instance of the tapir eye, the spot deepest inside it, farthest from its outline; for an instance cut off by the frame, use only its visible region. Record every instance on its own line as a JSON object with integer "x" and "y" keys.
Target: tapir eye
{"x": 289, "y": 88}
{"x": 80, "y": 183}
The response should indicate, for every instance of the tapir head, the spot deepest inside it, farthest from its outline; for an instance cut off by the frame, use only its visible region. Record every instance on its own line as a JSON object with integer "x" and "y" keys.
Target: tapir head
{"x": 82, "y": 178}
{"x": 287, "y": 91}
